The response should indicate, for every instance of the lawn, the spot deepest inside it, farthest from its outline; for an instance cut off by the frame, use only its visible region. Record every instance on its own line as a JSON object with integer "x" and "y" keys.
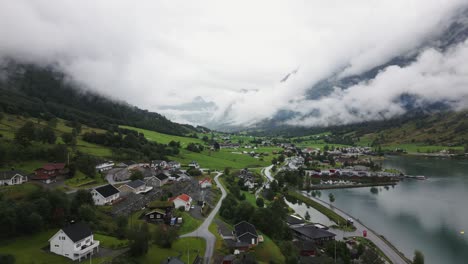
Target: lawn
{"x": 93, "y": 149}
{"x": 29, "y": 250}
{"x": 249, "y": 197}
{"x": 221, "y": 159}
{"x": 164, "y": 138}
{"x": 18, "y": 191}
{"x": 25, "y": 166}
{"x": 185, "y": 248}
{"x": 189, "y": 223}
{"x": 268, "y": 251}
{"x": 110, "y": 242}
{"x": 80, "y": 180}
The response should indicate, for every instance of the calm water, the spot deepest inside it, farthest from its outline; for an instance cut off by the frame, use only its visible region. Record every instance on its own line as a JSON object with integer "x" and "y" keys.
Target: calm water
{"x": 426, "y": 215}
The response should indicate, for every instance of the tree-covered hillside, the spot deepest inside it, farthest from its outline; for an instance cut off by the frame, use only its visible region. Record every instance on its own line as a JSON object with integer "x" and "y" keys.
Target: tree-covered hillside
{"x": 44, "y": 93}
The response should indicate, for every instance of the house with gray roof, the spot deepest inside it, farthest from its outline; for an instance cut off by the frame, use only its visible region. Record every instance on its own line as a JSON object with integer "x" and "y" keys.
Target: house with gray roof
{"x": 12, "y": 177}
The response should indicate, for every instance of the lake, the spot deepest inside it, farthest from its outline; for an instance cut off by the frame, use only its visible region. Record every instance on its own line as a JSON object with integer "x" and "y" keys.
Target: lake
{"x": 427, "y": 215}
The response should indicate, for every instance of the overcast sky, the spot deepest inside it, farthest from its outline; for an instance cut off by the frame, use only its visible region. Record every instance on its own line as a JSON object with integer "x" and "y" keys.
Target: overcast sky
{"x": 172, "y": 56}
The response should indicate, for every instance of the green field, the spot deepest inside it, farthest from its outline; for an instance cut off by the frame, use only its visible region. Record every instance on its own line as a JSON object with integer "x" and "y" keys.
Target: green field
{"x": 268, "y": 252}
{"x": 30, "y": 250}
{"x": 110, "y": 242}
{"x": 18, "y": 191}
{"x": 185, "y": 248}
{"x": 189, "y": 223}
{"x": 164, "y": 138}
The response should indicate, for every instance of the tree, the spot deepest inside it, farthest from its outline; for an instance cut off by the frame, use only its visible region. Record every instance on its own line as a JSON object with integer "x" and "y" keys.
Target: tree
{"x": 69, "y": 139}
{"x": 331, "y": 197}
{"x": 260, "y": 203}
{"x": 369, "y": 256}
{"x": 47, "y": 135}
{"x": 7, "y": 259}
{"x": 227, "y": 171}
{"x": 281, "y": 158}
{"x": 205, "y": 138}
{"x": 274, "y": 161}
{"x": 374, "y": 190}
{"x": 139, "y": 238}
{"x": 25, "y": 134}
{"x": 86, "y": 213}
{"x": 81, "y": 197}
{"x": 307, "y": 216}
{"x": 122, "y": 223}
{"x": 136, "y": 175}
{"x": 87, "y": 165}
{"x": 418, "y": 257}
{"x": 164, "y": 236}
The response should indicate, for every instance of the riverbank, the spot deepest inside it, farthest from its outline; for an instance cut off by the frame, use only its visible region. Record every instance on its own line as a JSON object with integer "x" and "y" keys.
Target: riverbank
{"x": 340, "y": 221}
{"x": 329, "y": 187}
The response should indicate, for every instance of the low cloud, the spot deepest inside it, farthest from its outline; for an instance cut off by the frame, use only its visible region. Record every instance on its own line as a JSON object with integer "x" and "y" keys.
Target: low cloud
{"x": 433, "y": 77}
{"x": 156, "y": 54}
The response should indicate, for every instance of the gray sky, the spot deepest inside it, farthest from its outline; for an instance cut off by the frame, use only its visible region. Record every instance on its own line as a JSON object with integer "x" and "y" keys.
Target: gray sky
{"x": 171, "y": 56}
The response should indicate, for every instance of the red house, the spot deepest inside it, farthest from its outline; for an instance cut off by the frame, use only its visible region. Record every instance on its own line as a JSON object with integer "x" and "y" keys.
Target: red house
{"x": 49, "y": 172}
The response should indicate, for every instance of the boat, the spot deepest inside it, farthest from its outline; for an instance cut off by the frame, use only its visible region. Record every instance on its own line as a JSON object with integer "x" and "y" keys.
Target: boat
{"x": 420, "y": 177}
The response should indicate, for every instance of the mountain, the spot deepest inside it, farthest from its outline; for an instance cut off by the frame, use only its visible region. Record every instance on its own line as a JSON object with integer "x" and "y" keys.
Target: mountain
{"x": 45, "y": 92}
{"x": 455, "y": 33}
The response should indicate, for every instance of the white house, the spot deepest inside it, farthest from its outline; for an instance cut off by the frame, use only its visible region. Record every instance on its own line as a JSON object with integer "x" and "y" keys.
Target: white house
{"x": 250, "y": 184}
{"x": 12, "y": 178}
{"x": 75, "y": 242}
{"x": 105, "y": 166}
{"x": 205, "y": 183}
{"x": 105, "y": 194}
{"x": 182, "y": 200}
{"x": 173, "y": 165}
{"x": 137, "y": 186}
{"x": 161, "y": 164}
{"x": 194, "y": 165}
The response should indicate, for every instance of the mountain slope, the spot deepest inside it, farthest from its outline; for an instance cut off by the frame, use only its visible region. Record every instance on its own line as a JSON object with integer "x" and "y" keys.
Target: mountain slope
{"x": 44, "y": 92}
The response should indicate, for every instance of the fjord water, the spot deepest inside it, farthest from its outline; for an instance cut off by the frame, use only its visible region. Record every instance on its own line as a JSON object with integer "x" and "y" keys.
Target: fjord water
{"x": 428, "y": 215}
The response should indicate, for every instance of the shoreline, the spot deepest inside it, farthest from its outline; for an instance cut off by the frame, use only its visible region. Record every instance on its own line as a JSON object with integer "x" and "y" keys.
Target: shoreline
{"x": 353, "y": 186}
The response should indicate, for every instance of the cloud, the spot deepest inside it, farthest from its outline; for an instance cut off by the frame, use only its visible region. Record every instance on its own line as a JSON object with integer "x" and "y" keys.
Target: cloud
{"x": 156, "y": 54}
{"x": 433, "y": 77}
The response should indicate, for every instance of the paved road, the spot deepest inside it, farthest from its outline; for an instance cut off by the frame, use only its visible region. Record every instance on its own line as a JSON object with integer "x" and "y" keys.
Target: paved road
{"x": 203, "y": 231}
{"x": 267, "y": 172}
{"x": 386, "y": 248}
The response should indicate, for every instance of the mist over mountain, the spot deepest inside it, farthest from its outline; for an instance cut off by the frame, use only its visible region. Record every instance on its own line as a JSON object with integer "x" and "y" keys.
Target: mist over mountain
{"x": 298, "y": 64}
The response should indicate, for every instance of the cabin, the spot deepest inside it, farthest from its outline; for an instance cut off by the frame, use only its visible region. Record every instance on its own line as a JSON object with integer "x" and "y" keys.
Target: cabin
{"x": 182, "y": 200}
{"x": 293, "y": 220}
{"x": 49, "y": 172}
{"x": 246, "y": 233}
{"x": 159, "y": 216}
{"x": 105, "y": 194}
{"x": 75, "y": 242}
{"x": 205, "y": 183}
{"x": 12, "y": 177}
{"x": 137, "y": 187}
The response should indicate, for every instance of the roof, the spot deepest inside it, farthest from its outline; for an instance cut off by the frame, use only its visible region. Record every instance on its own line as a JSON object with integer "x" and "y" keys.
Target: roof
{"x": 77, "y": 232}
{"x": 205, "y": 180}
{"x": 162, "y": 176}
{"x": 107, "y": 190}
{"x": 294, "y": 220}
{"x": 135, "y": 184}
{"x": 183, "y": 197}
{"x": 6, "y": 175}
{"x": 54, "y": 166}
{"x": 245, "y": 227}
{"x": 313, "y": 232}
{"x": 159, "y": 211}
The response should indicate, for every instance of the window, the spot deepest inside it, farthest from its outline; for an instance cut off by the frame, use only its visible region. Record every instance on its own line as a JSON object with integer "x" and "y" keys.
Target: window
{"x": 56, "y": 245}
{"x": 78, "y": 245}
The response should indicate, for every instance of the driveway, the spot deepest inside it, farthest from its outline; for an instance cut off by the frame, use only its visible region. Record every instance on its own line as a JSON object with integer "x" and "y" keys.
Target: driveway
{"x": 389, "y": 250}
{"x": 203, "y": 231}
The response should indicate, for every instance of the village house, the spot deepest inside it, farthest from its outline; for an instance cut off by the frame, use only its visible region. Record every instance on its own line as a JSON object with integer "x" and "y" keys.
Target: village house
{"x": 173, "y": 165}
{"x": 49, "y": 172}
{"x": 194, "y": 165}
{"x": 245, "y": 232}
{"x": 205, "y": 183}
{"x": 312, "y": 233}
{"x": 158, "y": 164}
{"x": 292, "y": 220}
{"x": 159, "y": 215}
{"x": 137, "y": 186}
{"x": 105, "y": 194}
{"x": 75, "y": 242}
{"x": 180, "y": 176}
{"x": 12, "y": 177}
{"x": 182, "y": 200}
{"x": 105, "y": 166}
{"x": 249, "y": 183}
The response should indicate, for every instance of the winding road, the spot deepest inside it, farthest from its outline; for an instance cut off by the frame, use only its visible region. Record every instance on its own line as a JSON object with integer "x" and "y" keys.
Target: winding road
{"x": 202, "y": 231}
{"x": 390, "y": 251}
